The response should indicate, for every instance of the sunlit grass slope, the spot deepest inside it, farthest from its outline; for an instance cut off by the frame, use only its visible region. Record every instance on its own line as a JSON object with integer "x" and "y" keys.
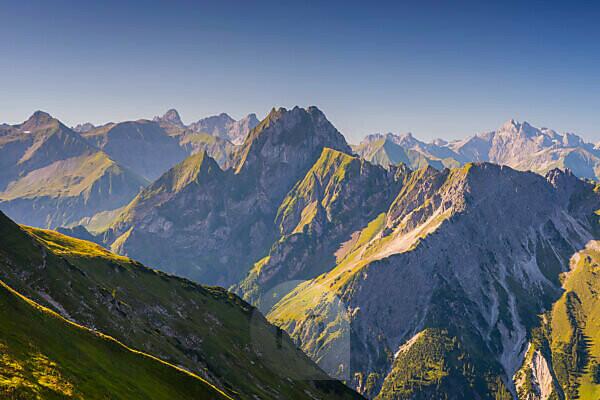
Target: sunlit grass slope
{"x": 43, "y": 356}
{"x": 206, "y": 330}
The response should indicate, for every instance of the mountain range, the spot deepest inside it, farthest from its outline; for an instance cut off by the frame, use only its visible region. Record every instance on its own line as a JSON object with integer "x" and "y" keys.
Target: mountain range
{"x": 182, "y": 221}
{"x": 518, "y": 145}
{"x": 56, "y": 176}
{"x": 405, "y": 269}
{"x": 51, "y": 176}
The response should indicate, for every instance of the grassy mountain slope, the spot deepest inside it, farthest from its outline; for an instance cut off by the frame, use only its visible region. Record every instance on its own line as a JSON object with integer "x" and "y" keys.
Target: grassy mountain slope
{"x": 44, "y": 356}
{"x": 563, "y": 358}
{"x": 205, "y": 330}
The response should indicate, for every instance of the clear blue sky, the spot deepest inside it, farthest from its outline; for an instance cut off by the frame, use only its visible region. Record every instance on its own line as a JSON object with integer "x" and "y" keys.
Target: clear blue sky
{"x": 438, "y": 69}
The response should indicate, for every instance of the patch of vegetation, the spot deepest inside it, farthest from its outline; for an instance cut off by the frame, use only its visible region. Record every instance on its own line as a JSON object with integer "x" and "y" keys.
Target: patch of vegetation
{"x": 569, "y": 334}
{"x": 435, "y": 364}
{"x": 43, "y": 356}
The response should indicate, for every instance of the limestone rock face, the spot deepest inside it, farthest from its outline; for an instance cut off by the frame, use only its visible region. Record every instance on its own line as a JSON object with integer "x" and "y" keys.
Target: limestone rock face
{"x": 225, "y": 127}
{"x": 469, "y": 257}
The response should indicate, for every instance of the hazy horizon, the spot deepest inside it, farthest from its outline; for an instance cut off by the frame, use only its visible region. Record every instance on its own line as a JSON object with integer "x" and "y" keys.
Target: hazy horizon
{"x": 436, "y": 70}
{"x": 350, "y": 139}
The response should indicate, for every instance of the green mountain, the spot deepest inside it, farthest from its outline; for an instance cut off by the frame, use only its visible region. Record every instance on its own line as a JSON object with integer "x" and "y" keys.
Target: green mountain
{"x": 211, "y": 225}
{"x": 44, "y": 356}
{"x": 50, "y": 176}
{"x": 205, "y": 330}
{"x": 562, "y": 360}
{"x": 440, "y": 296}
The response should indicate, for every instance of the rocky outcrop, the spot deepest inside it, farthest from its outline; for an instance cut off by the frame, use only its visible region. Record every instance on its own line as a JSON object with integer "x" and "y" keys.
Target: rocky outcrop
{"x": 217, "y": 135}
{"x": 170, "y": 117}
{"x": 225, "y": 127}
{"x": 82, "y": 128}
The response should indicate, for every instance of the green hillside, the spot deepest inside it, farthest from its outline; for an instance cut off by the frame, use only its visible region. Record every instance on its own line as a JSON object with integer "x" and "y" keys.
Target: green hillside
{"x": 206, "y": 330}
{"x": 44, "y": 356}
{"x": 563, "y": 360}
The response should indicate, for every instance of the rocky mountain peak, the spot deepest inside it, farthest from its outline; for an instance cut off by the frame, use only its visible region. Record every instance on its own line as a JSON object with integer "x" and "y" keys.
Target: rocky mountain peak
{"x": 171, "y": 116}
{"x": 373, "y": 137}
{"x": 83, "y": 128}
{"x": 555, "y": 175}
{"x": 572, "y": 140}
{"x": 252, "y": 117}
{"x": 406, "y": 140}
{"x": 511, "y": 125}
{"x": 238, "y": 130}
{"x": 573, "y": 191}
{"x": 288, "y": 136}
{"x": 513, "y": 128}
{"x": 37, "y": 120}
{"x": 216, "y": 125}
{"x": 249, "y": 121}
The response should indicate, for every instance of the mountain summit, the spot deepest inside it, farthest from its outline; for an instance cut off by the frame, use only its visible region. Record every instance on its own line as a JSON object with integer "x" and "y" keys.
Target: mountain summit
{"x": 184, "y": 227}
{"x": 225, "y": 127}
{"x": 171, "y": 116}
{"x": 37, "y": 120}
